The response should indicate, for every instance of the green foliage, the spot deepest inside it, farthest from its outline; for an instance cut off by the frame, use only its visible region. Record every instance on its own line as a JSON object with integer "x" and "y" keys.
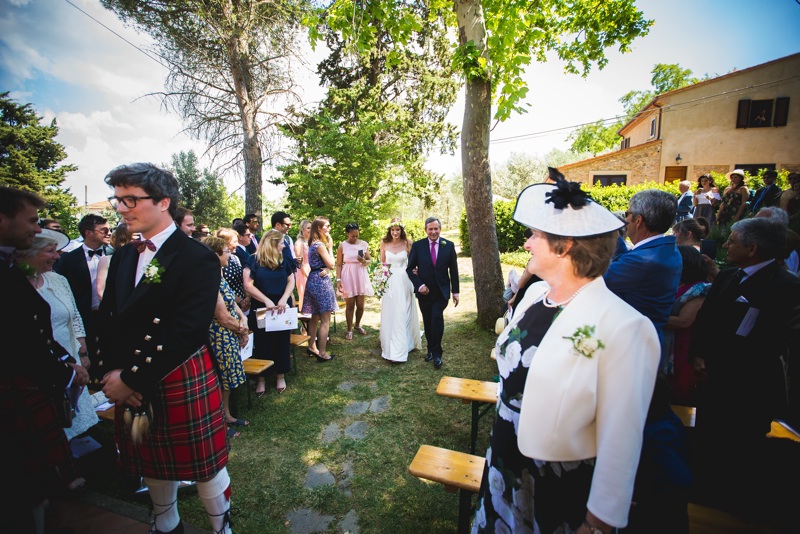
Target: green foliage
{"x": 509, "y": 232}
{"x": 30, "y": 157}
{"x": 517, "y": 258}
{"x": 204, "y": 192}
{"x": 617, "y": 197}
{"x": 595, "y": 138}
{"x": 415, "y": 230}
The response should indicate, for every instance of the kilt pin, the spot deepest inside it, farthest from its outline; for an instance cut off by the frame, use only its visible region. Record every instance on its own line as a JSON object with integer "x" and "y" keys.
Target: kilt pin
{"x": 156, "y": 332}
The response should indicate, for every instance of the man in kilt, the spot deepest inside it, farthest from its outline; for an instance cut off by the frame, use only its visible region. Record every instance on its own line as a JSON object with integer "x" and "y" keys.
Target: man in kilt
{"x": 159, "y": 300}
{"x": 36, "y": 372}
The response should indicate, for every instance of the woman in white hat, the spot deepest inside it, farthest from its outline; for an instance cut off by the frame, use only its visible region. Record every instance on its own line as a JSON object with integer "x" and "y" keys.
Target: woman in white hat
{"x": 67, "y": 325}
{"x": 577, "y": 368}
{"x": 734, "y": 199}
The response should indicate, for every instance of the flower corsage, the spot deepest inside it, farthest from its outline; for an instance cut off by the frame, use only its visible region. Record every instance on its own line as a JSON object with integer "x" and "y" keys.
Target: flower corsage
{"x": 152, "y": 272}
{"x": 583, "y": 341}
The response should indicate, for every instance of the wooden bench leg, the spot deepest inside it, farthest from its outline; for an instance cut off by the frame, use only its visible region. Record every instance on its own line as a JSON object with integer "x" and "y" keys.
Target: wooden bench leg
{"x": 464, "y": 511}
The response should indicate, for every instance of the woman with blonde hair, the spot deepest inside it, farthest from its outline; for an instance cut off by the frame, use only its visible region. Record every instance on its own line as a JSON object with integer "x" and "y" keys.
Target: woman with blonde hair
{"x": 319, "y": 300}
{"x": 232, "y": 273}
{"x": 400, "y": 332}
{"x": 227, "y": 335}
{"x": 301, "y": 254}
{"x": 269, "y": 280}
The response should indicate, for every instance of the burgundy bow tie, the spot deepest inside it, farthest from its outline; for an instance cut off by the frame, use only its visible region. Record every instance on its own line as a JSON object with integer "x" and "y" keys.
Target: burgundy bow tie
{"x": 141, "y": 244}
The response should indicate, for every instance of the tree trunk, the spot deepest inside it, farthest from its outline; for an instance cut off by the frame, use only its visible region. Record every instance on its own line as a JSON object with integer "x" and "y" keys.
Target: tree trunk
{"x": 476, "y": 172}
{"x": 251, "y": 149}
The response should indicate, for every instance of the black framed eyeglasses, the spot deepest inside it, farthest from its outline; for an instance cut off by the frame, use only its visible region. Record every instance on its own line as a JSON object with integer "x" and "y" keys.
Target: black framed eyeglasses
{"x": 129, "y": 201}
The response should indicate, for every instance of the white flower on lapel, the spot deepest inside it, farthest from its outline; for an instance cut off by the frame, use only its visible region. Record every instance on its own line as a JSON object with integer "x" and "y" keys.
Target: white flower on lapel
{"x": 152, "y": 272}
{"x": 583, "y": 341}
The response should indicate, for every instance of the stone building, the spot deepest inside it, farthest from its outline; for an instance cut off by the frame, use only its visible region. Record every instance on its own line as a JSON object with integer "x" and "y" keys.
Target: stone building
{"x": 747, "y": 119}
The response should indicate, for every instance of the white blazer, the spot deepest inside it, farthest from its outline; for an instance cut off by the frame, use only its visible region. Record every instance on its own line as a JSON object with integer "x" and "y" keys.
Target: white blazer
{"x": 576, "y": 407}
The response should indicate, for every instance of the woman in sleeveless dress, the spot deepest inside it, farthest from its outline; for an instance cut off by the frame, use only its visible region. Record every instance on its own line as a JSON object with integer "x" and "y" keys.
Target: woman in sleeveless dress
{"x": 319, "y": 300}
{"x": 301, "y": 254}
{"x": 400, "y": 332}
{"x": 706, "y": 199}
{"x": 352, "y": 258}
{"x": 734, "y": 200}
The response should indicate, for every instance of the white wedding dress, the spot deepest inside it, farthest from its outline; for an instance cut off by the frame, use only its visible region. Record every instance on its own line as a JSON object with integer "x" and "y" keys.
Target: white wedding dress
{"x": 400, "y": 332}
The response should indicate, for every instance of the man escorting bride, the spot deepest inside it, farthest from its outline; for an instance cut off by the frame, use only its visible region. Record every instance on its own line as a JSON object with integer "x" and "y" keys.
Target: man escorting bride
{"x": 399, "y": 320}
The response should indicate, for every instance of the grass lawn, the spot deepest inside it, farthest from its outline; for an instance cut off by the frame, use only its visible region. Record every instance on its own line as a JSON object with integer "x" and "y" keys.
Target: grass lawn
{"x": 270, "y": 460}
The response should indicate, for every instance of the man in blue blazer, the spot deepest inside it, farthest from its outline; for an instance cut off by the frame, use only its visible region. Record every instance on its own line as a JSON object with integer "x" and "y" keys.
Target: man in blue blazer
{"x": 647, "y": 276}
{"x": 436, "y": 265}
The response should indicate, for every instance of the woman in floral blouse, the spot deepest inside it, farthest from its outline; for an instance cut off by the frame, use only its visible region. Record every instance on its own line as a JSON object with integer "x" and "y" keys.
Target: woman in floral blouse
{"x": 577, "y": 368}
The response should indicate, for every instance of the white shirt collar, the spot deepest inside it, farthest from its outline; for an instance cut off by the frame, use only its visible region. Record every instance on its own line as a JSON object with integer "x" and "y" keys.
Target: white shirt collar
{"x": 643, "y": 241}
{"x": 159, "y": 239}
{"x": 753, "y": 269}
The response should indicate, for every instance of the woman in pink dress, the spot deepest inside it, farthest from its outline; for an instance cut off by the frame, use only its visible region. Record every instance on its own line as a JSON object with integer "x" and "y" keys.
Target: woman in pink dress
{"x": 352, "y": 258}
{"x": 301, "y": 254}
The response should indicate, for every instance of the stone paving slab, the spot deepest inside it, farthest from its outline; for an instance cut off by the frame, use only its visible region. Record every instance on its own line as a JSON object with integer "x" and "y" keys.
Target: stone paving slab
{"x": 331, "y": 433}
{"x": 318, "y": 475}
{"x": 381, "y": 404}
{"x": 349, "y": 523}
{"x": 356, "y": 407}
{"x": 357, "y": 430}
{"x": 305, "y": 521}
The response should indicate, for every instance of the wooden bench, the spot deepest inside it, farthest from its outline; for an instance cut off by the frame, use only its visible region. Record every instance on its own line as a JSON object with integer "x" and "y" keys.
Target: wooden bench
{"x": 686, "y": 414}
{"x": 458, "y": 471}
{"x": 297, "y": 340}
{"x": 252, "y": 368}
{"x": 475, "y": 392}
{"x": 107, "y": 415}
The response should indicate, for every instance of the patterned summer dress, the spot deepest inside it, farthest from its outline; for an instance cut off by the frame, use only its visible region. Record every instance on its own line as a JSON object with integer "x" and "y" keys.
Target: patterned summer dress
{"x": 730, "y": 205}
{"x": 232, "y": 273}
{"x": 512, "y": 482}
{"x": 224, "y": 344}
{"x": 319, "y": 296}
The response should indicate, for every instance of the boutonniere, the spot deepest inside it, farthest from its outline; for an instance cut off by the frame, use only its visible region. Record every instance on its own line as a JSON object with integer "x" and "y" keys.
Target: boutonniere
{"x": 26, "y": 268}
{"x": 584, "y": 342}
{"x": 152, "y": 272}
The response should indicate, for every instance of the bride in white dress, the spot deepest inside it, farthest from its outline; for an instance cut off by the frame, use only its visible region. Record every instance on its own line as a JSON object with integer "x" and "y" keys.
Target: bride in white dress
{"x": 400, "y": 332}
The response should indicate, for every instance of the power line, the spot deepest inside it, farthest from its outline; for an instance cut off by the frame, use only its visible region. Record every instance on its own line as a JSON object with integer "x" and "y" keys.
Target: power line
{"x": 115, "y": 33}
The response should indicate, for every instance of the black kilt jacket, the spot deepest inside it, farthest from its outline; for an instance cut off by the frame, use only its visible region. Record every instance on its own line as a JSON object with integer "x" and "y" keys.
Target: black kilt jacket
{"x": 151, "y": 329}
{"x": 157, "y": 333}
{"x": 31, "y": 384}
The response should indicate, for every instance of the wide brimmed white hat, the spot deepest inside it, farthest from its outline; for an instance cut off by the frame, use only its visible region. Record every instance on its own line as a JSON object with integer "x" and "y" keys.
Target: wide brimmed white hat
{"x": 564, "y": 210}
{"x": 61, "y": 239}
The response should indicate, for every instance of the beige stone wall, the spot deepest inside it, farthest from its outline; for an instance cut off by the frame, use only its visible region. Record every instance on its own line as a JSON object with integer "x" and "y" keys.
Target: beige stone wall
{"x": 640, "y": 163}
{"x": 696, "y": 171}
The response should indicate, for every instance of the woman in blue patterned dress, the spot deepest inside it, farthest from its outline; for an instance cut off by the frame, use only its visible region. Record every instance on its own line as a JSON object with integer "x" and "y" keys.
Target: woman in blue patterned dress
{"x": 227, "y": 335}
{"x": 319, "y": 300}
{"x": 577, "y": 368}
{"x": 269, "y": 280}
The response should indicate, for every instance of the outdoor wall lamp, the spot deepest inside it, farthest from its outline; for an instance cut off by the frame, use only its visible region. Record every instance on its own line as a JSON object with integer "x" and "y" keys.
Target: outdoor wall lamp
{"x": 678, "y": 159}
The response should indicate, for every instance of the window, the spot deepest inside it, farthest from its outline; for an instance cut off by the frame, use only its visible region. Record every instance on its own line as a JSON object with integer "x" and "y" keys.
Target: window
{"x": 626, "y": 143}
{"x": 759, "y": 113}
{"x": 652, "y": 127}
{"x": 608, "y": 179}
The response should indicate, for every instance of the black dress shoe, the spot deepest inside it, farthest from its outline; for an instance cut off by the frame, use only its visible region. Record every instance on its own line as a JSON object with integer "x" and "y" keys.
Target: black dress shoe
{"x": 176, "y": 530}
{"x": 429, "y": 357}
{"x": 437, "y": 361}
{"x": 320, "y": 359}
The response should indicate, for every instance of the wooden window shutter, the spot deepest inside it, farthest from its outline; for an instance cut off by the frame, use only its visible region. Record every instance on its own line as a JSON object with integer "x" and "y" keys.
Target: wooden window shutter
{"x": 781, "y": 111}
{"x": 743, "y": 114}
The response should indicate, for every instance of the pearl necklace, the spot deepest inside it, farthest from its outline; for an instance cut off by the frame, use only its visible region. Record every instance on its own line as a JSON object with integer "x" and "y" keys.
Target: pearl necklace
{"x": 550, "y": 304}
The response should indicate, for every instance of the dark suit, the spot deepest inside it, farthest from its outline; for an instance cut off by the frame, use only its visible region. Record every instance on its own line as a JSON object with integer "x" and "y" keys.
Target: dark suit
{"x": 155, "y": 332}
{"x": 440, "y": 280}
{"x": 647, "y": 279}
{"x": 767, "y": 197}
{"x": 242, "y": 254}
{"x": 32, "y": 382}
{"x": 745, "y": 388}
{"x": 74, "y": 267}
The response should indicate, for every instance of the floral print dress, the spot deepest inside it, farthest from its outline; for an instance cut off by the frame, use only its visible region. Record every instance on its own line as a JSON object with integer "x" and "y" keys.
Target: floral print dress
{"x": 512, "y": 482}
{"x": 224, "y": 345}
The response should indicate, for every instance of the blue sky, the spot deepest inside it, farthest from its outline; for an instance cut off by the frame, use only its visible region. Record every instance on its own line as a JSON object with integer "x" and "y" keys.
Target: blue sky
{"x": 72, "y": 68}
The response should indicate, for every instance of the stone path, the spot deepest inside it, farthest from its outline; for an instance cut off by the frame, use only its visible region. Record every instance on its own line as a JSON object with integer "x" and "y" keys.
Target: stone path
{"x": 306, "y": 521}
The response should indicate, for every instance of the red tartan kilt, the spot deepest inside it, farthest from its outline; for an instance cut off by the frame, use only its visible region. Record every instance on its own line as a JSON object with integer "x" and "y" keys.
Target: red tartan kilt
{"x": 188, "y": 435}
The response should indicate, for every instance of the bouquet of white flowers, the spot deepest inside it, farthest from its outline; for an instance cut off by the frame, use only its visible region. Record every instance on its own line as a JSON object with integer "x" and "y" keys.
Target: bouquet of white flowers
{"x": 379, "y": 275}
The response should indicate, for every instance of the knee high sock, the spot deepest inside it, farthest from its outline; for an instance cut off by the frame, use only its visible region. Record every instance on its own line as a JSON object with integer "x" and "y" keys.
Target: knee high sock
{"x": 216, "y": 496}
{"x": 164, "y": 496}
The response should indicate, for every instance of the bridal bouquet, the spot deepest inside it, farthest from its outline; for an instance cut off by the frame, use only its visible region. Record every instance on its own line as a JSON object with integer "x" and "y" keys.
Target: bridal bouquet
{"x": 379, "y": 275}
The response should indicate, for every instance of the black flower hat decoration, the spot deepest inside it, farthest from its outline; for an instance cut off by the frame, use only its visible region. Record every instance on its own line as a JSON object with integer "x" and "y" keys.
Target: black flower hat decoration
{"x": 565, "y": 193}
